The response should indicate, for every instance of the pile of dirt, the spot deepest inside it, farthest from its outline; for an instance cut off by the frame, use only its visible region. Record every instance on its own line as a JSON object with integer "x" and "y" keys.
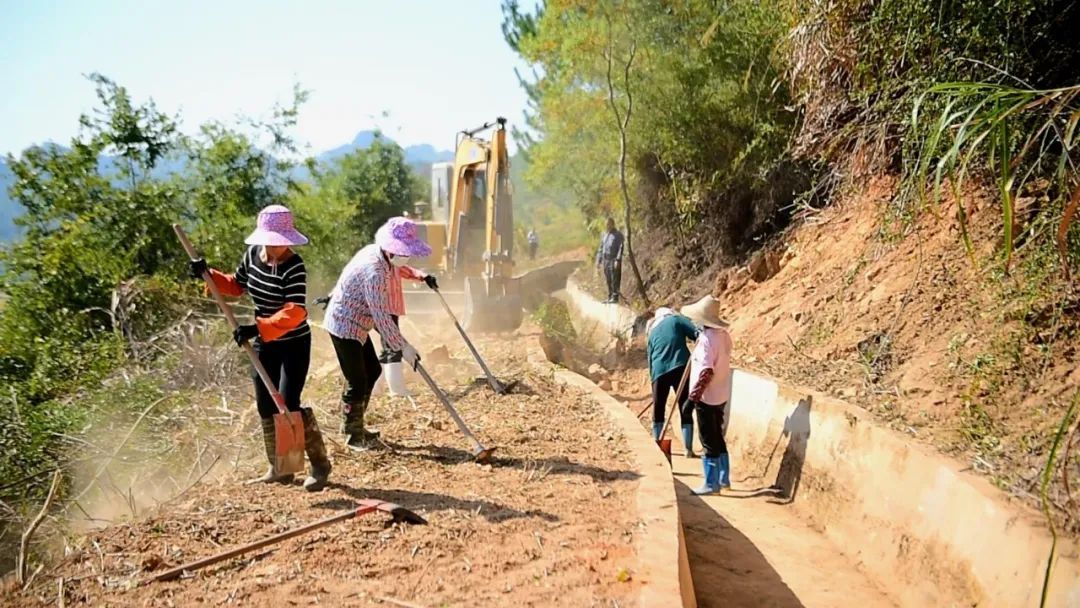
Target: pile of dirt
{"x": 550, "y": 521}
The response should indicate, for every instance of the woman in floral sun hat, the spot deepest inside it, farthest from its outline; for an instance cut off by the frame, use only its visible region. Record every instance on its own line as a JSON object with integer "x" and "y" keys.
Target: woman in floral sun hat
{"x": 275, "y": 278}
{"x": 360, "y": 302}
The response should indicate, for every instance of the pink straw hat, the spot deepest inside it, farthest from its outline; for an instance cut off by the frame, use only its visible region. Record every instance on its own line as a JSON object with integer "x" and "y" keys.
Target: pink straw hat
{"x": 398, "y": 236}
{"x": 274, "y": 228}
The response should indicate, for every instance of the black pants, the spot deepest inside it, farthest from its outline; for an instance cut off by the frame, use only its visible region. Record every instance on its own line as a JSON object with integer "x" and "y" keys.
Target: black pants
{"x": 666, "y": 383}
{"x": 361, "y": 369}
{"x": 532, "y": 250}
{"x": 710, "y": 420}
{"x": 390, "y": 356}
{"x": 287, "y": 364}
{"x": 613, "y": 274}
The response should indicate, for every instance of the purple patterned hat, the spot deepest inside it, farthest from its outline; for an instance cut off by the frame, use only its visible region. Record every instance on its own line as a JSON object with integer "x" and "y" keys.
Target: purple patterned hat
{"x": 274, "y": 228}
{"x": 398, "y": 236}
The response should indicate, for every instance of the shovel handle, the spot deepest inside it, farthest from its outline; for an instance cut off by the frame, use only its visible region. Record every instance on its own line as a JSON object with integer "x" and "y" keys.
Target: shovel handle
{"x": 226, "y": 310}
{"x": 259, "y": 544}
{"x": 495, "y": 384}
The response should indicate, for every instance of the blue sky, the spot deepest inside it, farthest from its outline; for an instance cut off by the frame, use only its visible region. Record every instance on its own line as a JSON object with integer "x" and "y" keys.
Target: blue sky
{"x": 437, "y": 66}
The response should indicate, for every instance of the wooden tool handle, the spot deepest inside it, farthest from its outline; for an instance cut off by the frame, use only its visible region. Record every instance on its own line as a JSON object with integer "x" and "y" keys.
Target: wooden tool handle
{"x": 495, "y": 384}
{"x": 441, "y": 396}
{"x": 259, "y": 544}
{"x": 678, "y": 394}
{"x": 226, "y": 310}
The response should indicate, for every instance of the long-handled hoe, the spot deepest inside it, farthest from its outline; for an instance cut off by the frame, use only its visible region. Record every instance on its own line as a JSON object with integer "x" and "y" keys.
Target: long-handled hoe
{"x": 496, "y": 386}
{"x": 364, "y": 507}
{"x": 479, "y": 451}
{"x": 288, "y": 426}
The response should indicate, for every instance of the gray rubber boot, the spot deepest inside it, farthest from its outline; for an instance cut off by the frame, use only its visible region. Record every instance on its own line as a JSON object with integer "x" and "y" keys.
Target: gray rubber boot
{"x": 316, "y": 453}
{"x": 270, "y": 444}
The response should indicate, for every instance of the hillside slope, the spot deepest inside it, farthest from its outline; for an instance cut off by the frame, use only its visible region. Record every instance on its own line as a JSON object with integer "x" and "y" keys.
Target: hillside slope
{"x": 896, "y": 318}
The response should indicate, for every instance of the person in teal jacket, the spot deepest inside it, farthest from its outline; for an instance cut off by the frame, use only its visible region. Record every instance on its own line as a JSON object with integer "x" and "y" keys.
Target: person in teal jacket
{"x": 668, "y": 356}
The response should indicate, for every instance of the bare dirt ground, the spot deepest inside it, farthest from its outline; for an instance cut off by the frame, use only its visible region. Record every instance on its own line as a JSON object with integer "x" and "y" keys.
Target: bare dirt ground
{"x": 550, "y": 522}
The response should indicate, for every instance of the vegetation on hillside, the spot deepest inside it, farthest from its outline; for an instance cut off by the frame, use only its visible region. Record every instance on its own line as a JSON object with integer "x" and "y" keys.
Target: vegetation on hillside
{"x": 747, "y": 111}
{"x": 751, "y": 113}
{"x": 98, "y": 276}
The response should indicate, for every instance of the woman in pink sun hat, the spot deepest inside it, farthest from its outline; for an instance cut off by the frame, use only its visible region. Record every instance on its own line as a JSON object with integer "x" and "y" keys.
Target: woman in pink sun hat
{"x": 275, "y": 278}
{"x": 361, "y": 301}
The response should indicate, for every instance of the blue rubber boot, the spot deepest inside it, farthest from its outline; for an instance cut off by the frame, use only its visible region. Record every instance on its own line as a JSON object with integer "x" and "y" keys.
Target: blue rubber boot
{"x": 711, "y": 468}
{"x": 724, "y": 478}
{"x": 688, "y": 440}
{"x": 657, "y": 428}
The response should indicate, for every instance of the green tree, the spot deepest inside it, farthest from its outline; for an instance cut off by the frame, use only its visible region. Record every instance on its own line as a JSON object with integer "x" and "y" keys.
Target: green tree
{"x": 376, "y": 183}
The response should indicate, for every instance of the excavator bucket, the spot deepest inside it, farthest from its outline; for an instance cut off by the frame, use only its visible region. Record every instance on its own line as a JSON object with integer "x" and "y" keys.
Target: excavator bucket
{"x": 491, "y": 311}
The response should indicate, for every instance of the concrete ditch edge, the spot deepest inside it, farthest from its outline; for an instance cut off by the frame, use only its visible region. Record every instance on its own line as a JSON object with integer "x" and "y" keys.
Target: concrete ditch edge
{"x": 900, "y": 510}
{"x": 663, "y": 566}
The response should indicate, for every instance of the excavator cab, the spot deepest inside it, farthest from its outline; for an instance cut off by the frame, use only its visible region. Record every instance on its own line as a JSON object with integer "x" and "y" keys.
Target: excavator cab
{"x": 472, "y": 230}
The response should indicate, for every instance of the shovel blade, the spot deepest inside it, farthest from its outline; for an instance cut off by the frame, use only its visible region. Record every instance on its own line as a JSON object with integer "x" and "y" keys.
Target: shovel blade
{"x": 289, "y": 442}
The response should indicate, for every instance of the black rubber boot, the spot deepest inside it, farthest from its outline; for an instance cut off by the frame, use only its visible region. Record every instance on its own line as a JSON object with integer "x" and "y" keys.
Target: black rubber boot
{"x": 316, "y": 452}
{"x": 357, "y": 437}
{"x": 270, "y": 444}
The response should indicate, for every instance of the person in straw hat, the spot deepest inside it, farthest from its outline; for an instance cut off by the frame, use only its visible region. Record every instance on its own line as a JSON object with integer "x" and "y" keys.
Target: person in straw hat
{"x": 275, "y": 278}
{"x": 710, "y": 390}
{"x": 361, "y": 301}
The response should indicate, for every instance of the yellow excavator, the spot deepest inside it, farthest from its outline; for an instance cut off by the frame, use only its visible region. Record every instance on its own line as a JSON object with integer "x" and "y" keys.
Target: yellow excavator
{"x": 471, "y": 233}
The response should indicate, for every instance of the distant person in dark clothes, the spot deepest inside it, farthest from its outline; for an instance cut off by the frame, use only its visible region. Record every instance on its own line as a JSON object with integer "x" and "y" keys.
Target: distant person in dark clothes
{"x": 668, "y": 356}
{"x": 534, "y": 243}
{"x": 609, "y": 258}
{"x": 275, "y": 278}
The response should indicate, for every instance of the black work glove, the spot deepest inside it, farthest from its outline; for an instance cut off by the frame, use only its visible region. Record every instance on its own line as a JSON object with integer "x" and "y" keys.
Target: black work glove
{"x": 244, "y": 333}
{"x": 430, "y": 281}
{"x": 323, "y": 301}
{"x": 198, "y": 268}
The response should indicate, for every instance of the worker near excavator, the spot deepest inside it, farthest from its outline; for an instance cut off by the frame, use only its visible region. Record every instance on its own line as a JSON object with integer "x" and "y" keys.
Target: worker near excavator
{"x": 361, "y": 301}
{"x": 710, "y": 390}
{"x": 609, "y": 259}
{"x": 534, "y": 243}
{"x": 276, "y": 279}
{"x": 668, "y": 357}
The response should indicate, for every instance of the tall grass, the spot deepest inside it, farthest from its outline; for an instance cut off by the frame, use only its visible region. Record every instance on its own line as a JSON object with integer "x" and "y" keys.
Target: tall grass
{"x": 1020, "y": 137}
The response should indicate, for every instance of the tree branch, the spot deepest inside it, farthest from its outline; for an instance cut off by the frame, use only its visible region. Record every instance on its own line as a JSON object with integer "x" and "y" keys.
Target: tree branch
{"x": 24, "y": 542}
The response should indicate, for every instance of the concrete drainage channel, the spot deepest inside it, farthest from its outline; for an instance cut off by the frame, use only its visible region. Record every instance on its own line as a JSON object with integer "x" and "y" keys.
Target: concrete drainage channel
{"x": 916, "y": 528}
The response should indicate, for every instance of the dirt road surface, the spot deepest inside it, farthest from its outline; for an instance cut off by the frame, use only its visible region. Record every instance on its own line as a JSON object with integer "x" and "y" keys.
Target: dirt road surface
{"x": 550, "y": 522}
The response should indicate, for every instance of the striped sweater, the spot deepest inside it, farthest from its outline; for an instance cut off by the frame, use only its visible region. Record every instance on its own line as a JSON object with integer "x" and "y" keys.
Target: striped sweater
{"x": 278, "y": 290}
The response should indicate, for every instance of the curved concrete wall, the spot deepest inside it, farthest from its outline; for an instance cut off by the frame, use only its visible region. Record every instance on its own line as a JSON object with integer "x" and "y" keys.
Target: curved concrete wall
{"x": 663, "y": 569}
{"x": 902, "y": 511}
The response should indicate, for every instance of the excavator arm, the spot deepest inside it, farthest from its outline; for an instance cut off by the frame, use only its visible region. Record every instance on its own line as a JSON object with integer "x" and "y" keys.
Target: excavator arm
{"x": 479, "y": 228}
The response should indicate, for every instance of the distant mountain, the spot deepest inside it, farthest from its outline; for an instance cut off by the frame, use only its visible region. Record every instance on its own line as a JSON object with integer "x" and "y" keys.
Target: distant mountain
{"x": 419, "y": 157}
{"x": 9, "y": 209}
